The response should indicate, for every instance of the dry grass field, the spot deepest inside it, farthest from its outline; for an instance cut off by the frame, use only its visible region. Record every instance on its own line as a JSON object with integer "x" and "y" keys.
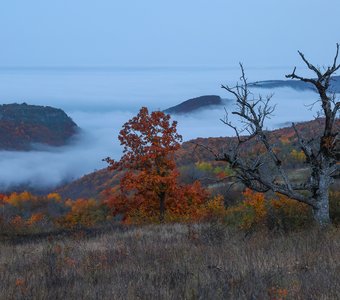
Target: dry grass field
{"x": 173, "y": 262}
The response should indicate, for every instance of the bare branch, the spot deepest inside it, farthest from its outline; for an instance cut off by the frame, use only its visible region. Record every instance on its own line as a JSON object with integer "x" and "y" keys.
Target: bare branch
{"x": 294, "y": 76}
{"x": 335, "y": 67}
{"x": 310, "y": 66}
{"x": 335, "y": 109}
{"x": 205, "y": 147}
{"x": 254, "y": 112}
{"x": 336, "y": 57}
{"x": 266, "y": 172}
{"x": 307, "y": 150}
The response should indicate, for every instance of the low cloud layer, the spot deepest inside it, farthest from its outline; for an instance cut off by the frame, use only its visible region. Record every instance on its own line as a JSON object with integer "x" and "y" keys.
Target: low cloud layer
{"x": 48, "y": 167}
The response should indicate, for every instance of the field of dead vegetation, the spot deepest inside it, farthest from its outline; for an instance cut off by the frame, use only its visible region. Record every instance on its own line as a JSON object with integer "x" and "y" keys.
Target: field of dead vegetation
{"x": 173, "y": 262}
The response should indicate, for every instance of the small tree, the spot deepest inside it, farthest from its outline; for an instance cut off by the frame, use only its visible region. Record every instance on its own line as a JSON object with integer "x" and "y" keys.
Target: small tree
{"x": 266, "y": 172}
{"x": 150, "y": 182}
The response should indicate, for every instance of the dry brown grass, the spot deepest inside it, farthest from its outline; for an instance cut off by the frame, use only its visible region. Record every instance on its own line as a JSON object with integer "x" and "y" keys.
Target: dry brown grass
{"x": 174, "y": 262}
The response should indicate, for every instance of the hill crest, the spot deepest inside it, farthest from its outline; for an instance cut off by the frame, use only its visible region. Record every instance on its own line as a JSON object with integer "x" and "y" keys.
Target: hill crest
{"x": 93, "y": 184}
{"x": 22, "y": 125}
{"x": 195, "y": 104}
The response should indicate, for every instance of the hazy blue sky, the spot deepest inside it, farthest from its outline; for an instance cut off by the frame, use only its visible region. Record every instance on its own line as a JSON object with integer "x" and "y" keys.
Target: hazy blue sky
{"x": 166, "y": 33}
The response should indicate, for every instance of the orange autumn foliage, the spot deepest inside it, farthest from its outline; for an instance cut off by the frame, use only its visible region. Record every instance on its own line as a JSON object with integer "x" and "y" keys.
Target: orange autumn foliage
{"x": 24, "y": 212}
{"x": 35, "y": 218}
{"x": 276, "y": 293}
{"x": 183, "y": 204}
{"x": 17, "y": 222}
{"x": 149, "y": 189}
{"x": 2, "y": 197}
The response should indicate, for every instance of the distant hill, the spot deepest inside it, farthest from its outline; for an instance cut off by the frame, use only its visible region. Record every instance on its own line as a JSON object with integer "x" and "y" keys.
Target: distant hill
{"x": 195, "y": 104}
{"x": 295, "y": 84}
{"x": 22, "y": 125}
{"x": 90, "y": 185}
{"x": 93, "y": 184}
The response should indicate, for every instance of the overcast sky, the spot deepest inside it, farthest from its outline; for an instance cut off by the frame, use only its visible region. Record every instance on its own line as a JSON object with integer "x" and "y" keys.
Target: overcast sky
{"x": 166, "y": 33}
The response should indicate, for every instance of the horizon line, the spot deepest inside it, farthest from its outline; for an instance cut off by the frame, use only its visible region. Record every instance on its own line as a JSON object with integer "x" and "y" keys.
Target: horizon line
{"x": 140, "y": 68}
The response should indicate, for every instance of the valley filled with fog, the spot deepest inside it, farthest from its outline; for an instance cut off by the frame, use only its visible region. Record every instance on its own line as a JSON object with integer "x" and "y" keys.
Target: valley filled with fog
{"x": 100, "y": 101}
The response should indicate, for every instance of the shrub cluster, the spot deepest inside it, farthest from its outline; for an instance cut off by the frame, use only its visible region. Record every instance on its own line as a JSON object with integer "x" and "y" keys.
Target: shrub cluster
{"x": 24, "y": 213}
{"x": 275, "y": 212}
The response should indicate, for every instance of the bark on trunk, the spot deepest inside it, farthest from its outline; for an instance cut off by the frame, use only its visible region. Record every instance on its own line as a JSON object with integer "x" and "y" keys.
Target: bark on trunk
{"x": 321, "y": 211}
{"x": 321, "y": 214}
{"x": 161, "y": 207}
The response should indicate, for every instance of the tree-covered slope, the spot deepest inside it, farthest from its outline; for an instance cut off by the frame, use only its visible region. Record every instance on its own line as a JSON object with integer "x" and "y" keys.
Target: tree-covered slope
{"x": 23, "y": 125}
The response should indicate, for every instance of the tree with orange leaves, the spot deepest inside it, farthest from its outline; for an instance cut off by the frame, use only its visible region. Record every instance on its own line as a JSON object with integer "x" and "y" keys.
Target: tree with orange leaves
{"x": 149, "y": 185}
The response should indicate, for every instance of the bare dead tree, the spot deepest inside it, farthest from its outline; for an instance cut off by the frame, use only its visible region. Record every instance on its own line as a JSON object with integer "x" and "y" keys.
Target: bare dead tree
{"x": 266, "y": 172}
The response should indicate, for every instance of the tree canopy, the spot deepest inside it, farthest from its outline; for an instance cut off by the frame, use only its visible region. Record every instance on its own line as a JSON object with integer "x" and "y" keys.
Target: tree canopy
{"x": 149, "y": 187}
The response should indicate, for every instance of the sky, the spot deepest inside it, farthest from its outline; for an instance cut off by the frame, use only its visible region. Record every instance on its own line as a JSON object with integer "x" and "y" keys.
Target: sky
{"x": 151, "y": 33}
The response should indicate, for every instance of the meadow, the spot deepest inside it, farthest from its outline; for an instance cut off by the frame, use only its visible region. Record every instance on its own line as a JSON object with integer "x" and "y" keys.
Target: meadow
{"x": 172, "y": 261}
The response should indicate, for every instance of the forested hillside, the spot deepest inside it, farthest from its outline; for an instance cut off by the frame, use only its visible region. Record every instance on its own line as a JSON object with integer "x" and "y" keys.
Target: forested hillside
{"x": 196, "y": 160}
{"x": 23, "y": 125}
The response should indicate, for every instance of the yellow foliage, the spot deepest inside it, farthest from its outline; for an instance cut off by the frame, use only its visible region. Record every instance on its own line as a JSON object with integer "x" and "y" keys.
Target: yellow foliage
{"x": 82, "y": 212}
{"x": 298, "y": 155}
{"x": 252, "y": 211}
{"x": 17, "y": 199}
{"x": 54, "y": 196}
{"x": 204, "y": 166}
{"x": 280, "y": 212}
{"x": 215, "y": 209}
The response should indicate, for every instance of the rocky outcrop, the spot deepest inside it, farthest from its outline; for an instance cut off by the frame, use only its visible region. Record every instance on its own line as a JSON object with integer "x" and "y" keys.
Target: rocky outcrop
{"x": 23, "y": 125}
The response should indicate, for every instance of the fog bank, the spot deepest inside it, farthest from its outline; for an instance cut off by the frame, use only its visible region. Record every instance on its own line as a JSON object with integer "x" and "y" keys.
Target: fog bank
{"x": 47, "y": 167}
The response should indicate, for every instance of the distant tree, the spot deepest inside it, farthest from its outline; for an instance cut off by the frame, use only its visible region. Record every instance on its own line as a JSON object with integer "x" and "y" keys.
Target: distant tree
{"x": 150, "y": 185}
{"x": 266, "y": 172}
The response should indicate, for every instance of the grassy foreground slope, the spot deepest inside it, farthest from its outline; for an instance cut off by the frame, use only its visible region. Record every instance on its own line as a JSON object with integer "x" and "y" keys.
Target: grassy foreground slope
{"x": 174, "y": 262}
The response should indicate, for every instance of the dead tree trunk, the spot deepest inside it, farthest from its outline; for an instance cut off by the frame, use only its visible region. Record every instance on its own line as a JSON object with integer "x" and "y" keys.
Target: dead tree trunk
{"x": 321, "y": 211}
{"x": 266, "y": 173}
